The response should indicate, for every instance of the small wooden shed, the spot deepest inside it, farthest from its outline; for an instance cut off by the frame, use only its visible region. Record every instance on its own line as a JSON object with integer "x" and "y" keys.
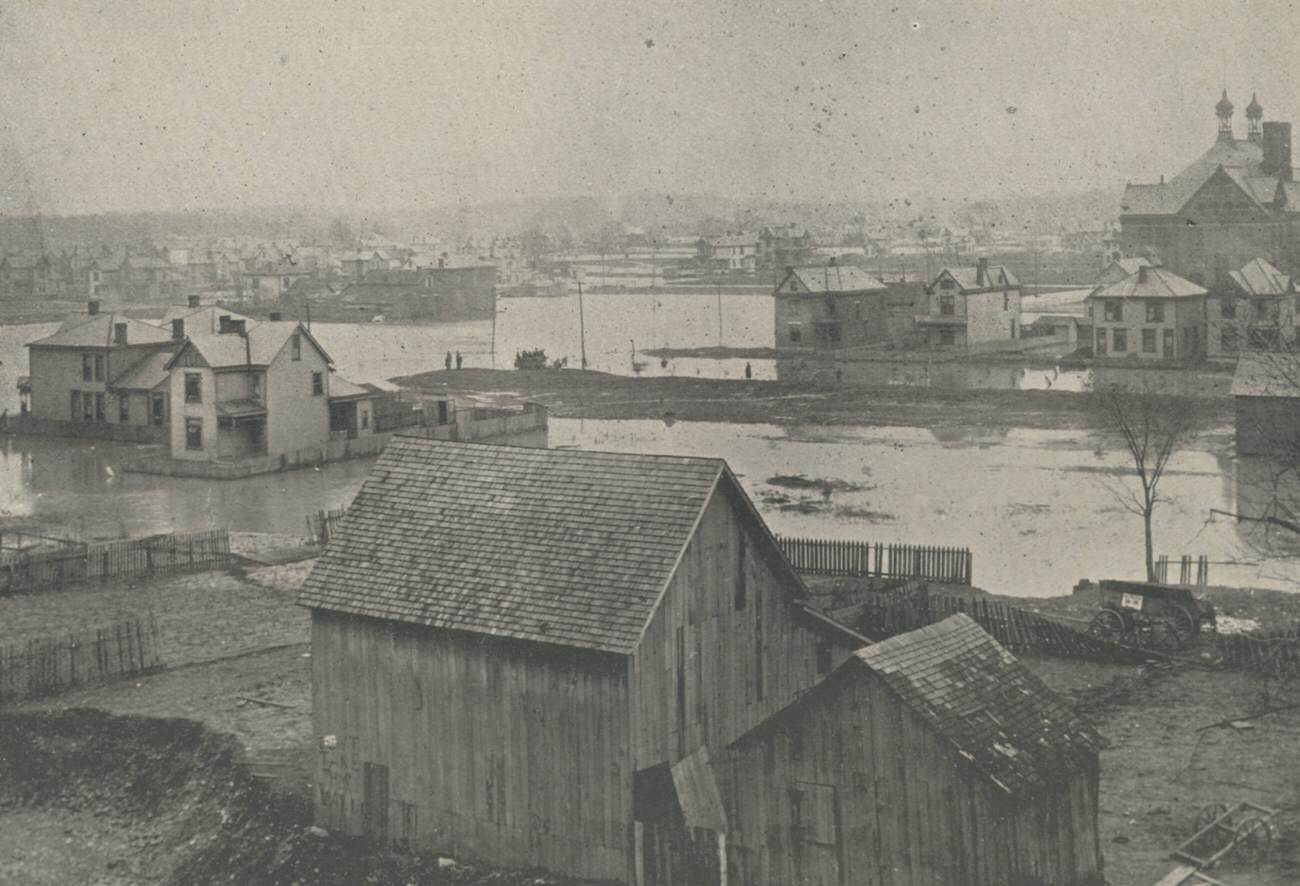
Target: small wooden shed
{"x": 931, "y": 758}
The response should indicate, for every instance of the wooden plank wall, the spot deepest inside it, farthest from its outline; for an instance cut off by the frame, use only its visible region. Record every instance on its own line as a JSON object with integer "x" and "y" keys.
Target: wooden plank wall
{"x": 900, "y": 807}
{"x": 46, "y": 665}
{"x": 495, "y": 751}
{"x": 737, "y": 665}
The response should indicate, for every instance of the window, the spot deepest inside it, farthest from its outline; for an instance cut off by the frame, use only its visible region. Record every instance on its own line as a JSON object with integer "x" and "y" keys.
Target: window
{"x": 365, "y": 418}
{"x": 86, "y": 363}
{"x": 76, "y": 405}
{"x": 193, "y": 387}
{"x": 1006, "y": 301}
{"x": 857, "y": 310}
{"x": 157, "y": 407}
{"x": 1148, "y": 341}
{"x": 255, "y": 385}
{"x": 99, "y": 367}
{"x": 796, "y": 332}
{"x": 946, "y": 337}
{"x": 194, "y": 434}
{"x": 1114, "y": 311}
{"x": 1101, "y": 342}
{"x": 124, "y": 408}
{"x": 99, "y": 406}
{"x": 742, "y": 581}
{"x": 1169, "y": 342}
{"x": 947, "y": 305}
{"x": 1121, "y": 341}
{"x": 297, "y": 346}
{"x": 946, "y": 283}
{"x": 317, "y": 384}
{"x": 87, "y": 406}
{"x": 1155, "y": 312}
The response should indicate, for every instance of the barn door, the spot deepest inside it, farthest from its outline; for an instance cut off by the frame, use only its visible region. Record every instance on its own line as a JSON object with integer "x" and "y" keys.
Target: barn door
{"x": 676, "y": 855}
{"x": 816, "y": 834}
{"x": 374, "y": 801}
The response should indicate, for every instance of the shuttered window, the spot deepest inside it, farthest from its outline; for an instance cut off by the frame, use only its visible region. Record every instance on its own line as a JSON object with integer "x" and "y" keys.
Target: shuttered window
{"x": 813, "y": 813}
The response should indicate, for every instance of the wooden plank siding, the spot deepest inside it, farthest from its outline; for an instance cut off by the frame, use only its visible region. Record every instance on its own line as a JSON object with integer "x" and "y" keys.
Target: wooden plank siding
{"x": 708, "y": 668}
{"x": 499, "y": 751}
{"x": 906, "y": 810}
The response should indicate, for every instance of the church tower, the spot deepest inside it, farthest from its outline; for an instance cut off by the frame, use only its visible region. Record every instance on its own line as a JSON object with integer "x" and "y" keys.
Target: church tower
{"x": 1254, "y": 117}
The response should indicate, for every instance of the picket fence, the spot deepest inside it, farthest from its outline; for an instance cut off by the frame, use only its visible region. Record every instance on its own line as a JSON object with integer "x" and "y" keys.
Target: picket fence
{"x": 105, "y": 561}
{"x": 824, "y": 556}
{"x": 46, "y": 665}
{"x": 324, "y": 525}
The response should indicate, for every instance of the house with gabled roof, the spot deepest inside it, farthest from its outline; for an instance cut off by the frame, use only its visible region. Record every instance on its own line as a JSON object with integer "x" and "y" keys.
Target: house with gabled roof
{"x": 602, "y": 664}
{"x": 1152, "y": 314}
{"x": 513, "y": 648}
{"x": 829, "y": 306}
{"x": 930, "y": 757}
{"x": 1255, "y": 309}
{"x": 972, "y": 305}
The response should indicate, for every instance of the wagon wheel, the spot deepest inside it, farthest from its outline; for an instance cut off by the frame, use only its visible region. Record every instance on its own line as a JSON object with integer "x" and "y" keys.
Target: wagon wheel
{"x": 1252, "y": 838}
{"x": 1168, "y": 633}
{"x": 1208, "y": 814}
{"x": 1107, "y": 625}
{"x": 1183, "y": 624}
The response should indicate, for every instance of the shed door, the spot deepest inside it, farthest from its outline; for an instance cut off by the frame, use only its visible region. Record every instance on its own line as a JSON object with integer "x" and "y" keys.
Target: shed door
{"x": 374, "y": 801}
{"x": 817, "y": 834}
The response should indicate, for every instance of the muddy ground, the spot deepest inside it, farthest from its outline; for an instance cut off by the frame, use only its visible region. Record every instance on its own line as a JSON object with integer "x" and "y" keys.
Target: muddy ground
{"x": 1170, "y": 748}
{"x": 576, "y": 394}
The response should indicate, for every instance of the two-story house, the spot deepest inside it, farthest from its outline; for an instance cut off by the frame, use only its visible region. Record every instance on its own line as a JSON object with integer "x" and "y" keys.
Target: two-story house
{"x": 1253, "y": 309}
{"x": 248, "y": 390}
{"x": 269, "y": 281}
{"x": 972, "y": 305}
{"x": 1152, "y": 314}
{"x": 829, "y": 306}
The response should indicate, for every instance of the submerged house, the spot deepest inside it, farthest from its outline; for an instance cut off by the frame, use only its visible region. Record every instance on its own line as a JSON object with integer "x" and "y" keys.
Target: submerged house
{"x": 830, "y": 306}
{"x": 590, "y": 662}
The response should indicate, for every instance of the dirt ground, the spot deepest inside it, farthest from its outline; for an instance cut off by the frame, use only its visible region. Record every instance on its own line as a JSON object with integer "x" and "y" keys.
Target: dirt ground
{"x": 1164, "y": 756}
{"x": 575, "y": 394}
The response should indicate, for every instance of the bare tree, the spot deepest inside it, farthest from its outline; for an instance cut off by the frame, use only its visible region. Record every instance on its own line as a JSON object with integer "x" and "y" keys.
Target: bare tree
{"x": 1152, "y": 427}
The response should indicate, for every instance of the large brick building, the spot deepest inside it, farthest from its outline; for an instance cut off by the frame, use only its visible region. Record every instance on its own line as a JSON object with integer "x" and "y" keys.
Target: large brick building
{"x": 1236, "y": 202}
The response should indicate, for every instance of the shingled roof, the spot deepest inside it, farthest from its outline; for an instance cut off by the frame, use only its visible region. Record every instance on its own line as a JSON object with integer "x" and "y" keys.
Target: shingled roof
{"x": 835, "y": 279}
{"x": 1000, "y": 717}
{"x": 1151, "y": 282}
{"x": 1242, "y": 159}
{"x": 555, "y": 546}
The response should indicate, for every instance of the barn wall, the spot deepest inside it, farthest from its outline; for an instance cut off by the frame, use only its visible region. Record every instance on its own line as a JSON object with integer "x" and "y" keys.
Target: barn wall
{"x": 696, "y": 674}
{"x": 495, "y": 751}
{"x": 852, "y": 787}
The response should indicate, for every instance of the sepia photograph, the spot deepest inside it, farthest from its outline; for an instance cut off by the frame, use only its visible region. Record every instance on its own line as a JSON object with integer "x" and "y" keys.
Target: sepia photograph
{"x": 605, "y": 443}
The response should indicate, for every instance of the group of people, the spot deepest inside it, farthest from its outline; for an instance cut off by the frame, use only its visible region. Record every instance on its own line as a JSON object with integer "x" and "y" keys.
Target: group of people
{"x": 459, "y": 360}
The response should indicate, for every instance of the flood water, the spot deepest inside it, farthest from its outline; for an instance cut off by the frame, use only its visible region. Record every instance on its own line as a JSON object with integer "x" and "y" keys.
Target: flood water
{"x": 1035, "y": 506}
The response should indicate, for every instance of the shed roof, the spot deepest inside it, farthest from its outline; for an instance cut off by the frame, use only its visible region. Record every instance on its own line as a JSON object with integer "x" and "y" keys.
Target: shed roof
{"x": 1150, "y": 282}
{"x": 1267, "y": 375}
{"x": 836, "y": 279}
{"x": 554, "y": 546}
{"x": 1004, "y": 720}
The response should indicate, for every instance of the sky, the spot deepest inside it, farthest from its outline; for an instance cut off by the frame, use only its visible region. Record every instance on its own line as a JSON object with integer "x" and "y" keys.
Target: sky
{"x": 188, "y": 104}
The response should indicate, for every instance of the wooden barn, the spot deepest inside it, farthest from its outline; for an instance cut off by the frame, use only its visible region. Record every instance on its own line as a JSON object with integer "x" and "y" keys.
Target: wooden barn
{"x": 514, "y": 650}
{"x": 933, "y": 757}
{"x": 580, "y": 661}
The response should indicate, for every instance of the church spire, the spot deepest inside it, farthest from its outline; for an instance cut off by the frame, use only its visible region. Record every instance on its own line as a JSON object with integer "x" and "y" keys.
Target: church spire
{"x": 1254, "y": 116}
{"x": 1223, "y": 110}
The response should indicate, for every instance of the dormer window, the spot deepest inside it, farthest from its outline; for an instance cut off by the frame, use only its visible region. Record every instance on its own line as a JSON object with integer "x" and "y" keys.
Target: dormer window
{"x": 946, "y": 283}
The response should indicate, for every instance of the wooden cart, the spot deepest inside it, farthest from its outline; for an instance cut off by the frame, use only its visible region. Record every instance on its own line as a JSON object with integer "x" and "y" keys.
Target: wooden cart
{"x": 1149, "y": 614}
{"x": 1245, "y": 830}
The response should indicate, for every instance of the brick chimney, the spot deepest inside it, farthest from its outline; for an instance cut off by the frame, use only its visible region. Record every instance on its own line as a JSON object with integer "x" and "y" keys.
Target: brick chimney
{"x": 119, "y": 333}
{"x": 178, "y": 329}
{"x": 192, "y": 301}
{"x": 276, "y": 316}
{"x": 1142, "y": 273}
{"x": 92, "y": 307}
{"x": 223, "y": 324}
{"x": 1277, "y": 149}
{"x": 981, "y": 271}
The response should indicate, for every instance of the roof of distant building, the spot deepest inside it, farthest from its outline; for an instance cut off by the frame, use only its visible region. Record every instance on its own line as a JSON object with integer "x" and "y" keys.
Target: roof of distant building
{"x": 967, "y": 277}
{"x": 835, "y": 279}
{"x": 1260, "y": 277}
{"x": 1267, "y": 375}
{"x": 146, "y": 373}
{"x": 1241, "y": 159}
{"x": 1150, "y": 282}
{"x": 554, "y": 546}
{"x": 97, "y": 330}
{"x": 265, "y": 341}
{"x": 997, "y": 715}
{"x": 200, "y": 320}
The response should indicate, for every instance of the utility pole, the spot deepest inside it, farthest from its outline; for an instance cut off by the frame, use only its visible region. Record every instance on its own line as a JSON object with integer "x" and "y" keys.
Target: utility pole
{"x": 494, "y": 329}
{"x": 582, "y": 327}
{"x": 718, "y": 287}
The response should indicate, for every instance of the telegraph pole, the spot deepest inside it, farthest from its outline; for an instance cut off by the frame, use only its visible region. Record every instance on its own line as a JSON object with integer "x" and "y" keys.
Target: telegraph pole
{"x": 582, "y": 327}
{"x": 718, "y": 287}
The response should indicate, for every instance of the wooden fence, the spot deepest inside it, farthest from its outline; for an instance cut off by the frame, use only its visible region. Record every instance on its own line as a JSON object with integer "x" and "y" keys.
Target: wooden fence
{"x": 323, "y": 525}
{"x": 1191, "y": 570}
{"x": 50, "y": 664}
{"x": 880, "y": 616}
{"x": 823, "y": 556}
{"x": 1272, "y": 654}
{"x": 105, "y": 561}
